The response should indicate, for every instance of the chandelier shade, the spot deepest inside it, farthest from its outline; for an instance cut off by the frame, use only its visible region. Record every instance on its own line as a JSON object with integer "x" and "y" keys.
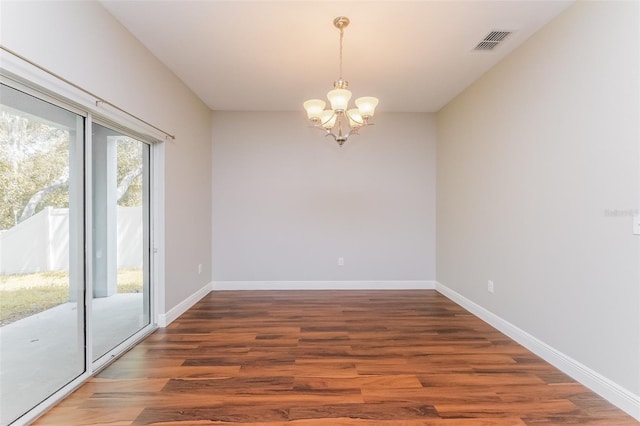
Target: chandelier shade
{"x": 367, "y": 105}
{"x": 340, "y": 122}
{"x": 355, "y": 118}
{"x": 314, "y": 108}
{"x": 339, "y": 99}
{"x": 328, "y": 119}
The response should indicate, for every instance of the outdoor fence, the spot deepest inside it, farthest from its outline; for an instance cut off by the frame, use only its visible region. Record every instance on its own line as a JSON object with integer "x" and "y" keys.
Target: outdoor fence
{"x": 41, "y": 243}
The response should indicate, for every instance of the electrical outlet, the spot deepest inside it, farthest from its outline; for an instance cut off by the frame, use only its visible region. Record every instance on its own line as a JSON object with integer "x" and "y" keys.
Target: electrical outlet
{"x": 199, "y": 268}
{"x": 490, "y": 286}
{"x": 341, "y": 261}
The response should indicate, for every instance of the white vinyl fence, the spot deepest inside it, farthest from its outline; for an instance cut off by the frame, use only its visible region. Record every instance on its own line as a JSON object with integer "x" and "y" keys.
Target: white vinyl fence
{"x": 41, "y": 243}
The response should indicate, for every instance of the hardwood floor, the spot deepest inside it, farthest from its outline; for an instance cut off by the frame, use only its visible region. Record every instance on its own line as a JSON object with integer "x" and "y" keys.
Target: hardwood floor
{"x": 331, "y": 358}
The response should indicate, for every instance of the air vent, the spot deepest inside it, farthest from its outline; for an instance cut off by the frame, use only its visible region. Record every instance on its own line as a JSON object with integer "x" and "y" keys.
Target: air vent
{"x": 497, "y": 35}
{"x": 491, "y": 40}
{"x": 486, "y": 45}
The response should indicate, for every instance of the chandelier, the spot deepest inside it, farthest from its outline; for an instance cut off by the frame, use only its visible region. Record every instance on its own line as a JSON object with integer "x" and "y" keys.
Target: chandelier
{"x": 340, "y": 122}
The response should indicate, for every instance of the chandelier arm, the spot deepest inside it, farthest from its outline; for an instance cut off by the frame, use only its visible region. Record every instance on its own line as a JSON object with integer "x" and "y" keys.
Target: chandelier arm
{"x": 321, "y": 124}
{"x": 330, "y": 133}
{"x": 360, "y": 123}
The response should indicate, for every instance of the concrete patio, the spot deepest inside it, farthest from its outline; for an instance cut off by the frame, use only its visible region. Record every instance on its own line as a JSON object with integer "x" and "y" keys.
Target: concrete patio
{"x": 41, "y": 353}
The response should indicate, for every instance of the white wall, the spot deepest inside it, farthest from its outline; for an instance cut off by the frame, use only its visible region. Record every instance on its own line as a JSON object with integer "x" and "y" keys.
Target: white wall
{"x": 532, "y": 159}
{"x": 82, "y": 42}
{"x": 287, "y": 202}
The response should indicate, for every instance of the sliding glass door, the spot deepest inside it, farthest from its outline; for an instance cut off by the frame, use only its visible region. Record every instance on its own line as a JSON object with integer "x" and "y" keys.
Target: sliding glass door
{"x": 42, "y": 329}
{"x": 74, "y": 247}
{"x": 120, "y": 204}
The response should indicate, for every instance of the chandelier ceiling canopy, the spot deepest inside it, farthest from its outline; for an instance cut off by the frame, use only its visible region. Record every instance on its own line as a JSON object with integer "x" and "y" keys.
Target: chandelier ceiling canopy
{"x": 340, "y": 121}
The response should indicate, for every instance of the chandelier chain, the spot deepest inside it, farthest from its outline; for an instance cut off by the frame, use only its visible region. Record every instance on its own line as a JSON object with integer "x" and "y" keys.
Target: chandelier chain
{"x": 341, "y": 36}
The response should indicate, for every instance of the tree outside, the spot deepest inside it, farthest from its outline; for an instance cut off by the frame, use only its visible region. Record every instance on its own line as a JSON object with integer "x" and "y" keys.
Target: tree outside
{"x": 33, "y": 156}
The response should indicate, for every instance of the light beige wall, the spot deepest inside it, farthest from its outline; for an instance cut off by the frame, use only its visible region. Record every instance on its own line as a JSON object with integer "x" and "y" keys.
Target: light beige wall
{"x": 287, "y": 201}
{"x": 82, "y": 42}
{"x": 532, "y": 160}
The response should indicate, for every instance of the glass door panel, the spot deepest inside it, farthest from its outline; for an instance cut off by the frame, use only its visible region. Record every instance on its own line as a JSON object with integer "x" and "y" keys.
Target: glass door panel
{"x": 120, "y": 192}
{"x": 42, "y": 329}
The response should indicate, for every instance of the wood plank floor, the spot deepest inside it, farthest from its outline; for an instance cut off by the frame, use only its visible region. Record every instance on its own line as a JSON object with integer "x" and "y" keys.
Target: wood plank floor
{"x": 331, "y": 358}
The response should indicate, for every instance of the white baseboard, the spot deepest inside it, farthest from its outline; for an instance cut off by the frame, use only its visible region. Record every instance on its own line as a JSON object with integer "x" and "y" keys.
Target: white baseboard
{"x": 324, "y": 285}
{"x": 609, "y": 390}
{"x": 182, "y": 307}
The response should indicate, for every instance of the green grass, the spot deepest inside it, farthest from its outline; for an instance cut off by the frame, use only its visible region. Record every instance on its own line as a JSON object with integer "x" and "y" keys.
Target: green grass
{"x": 18, "y": 304}
{"x": 23, "y": 295}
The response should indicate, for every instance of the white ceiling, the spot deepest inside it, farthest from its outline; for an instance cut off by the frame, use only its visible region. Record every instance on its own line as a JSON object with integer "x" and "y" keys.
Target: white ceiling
{"x": 273, "y": 55}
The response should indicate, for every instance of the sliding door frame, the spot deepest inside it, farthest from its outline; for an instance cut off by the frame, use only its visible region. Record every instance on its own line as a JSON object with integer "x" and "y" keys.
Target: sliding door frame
{"x": 155, "y": 244}
{"x": 131, "y": 341}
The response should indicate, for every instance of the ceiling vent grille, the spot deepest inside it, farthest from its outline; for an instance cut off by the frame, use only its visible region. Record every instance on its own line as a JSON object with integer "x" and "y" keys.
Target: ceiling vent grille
{"x": 491, "y": 40}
